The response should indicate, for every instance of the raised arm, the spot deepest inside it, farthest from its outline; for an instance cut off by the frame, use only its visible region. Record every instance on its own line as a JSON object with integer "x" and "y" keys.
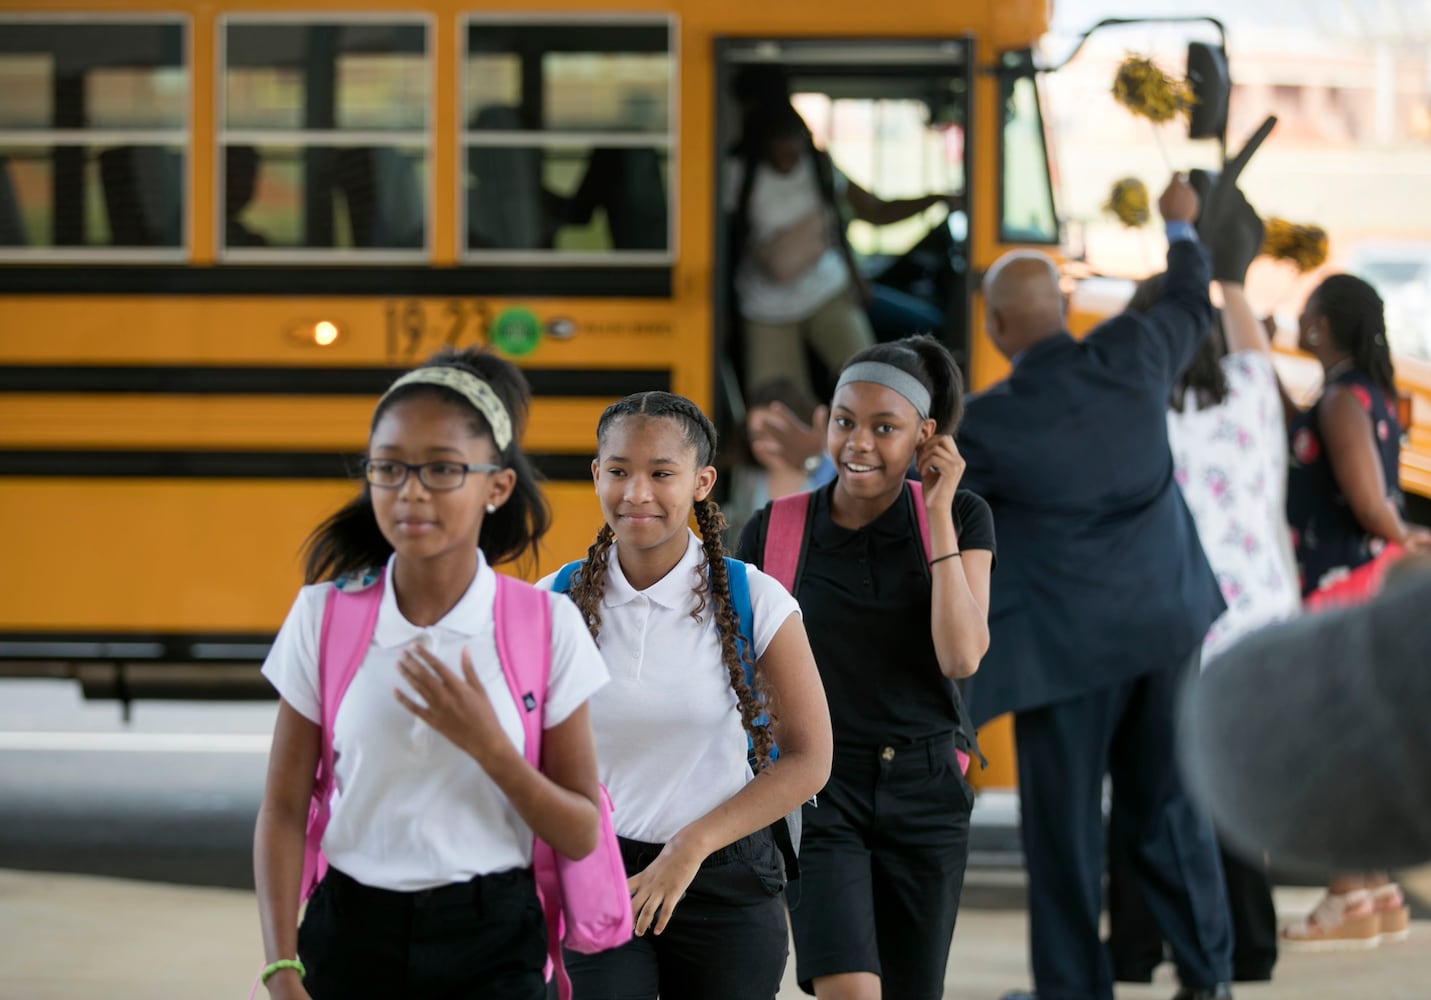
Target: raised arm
{"x": 959, "y": 603}
{"x": 878, "y": 211}
{"x": 1244, "y": 330}
{"x": 1179, "y": 320}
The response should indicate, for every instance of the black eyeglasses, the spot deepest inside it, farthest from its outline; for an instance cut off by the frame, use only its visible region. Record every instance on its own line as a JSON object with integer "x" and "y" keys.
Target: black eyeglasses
{"x": 438, "y": 476}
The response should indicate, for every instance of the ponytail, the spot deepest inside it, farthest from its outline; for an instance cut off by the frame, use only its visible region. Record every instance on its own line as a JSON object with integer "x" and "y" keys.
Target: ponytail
{"x": 1357, "y": 319}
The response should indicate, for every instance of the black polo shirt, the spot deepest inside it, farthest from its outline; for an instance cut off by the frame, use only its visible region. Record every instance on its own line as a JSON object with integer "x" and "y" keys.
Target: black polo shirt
{"x": 864, "y": 596}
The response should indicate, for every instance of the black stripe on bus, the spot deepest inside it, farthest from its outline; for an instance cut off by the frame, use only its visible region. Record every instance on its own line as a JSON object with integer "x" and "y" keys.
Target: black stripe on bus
{"x": 295, "y": 279}
{"x": 117, "y": 464}
{"x": 276, "y": 381}
{"x": 195, "y": 647}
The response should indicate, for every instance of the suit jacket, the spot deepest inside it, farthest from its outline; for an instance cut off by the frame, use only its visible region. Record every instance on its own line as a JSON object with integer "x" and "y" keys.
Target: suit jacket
{"x": 1101, "y": 574}
{"x": 1312, "y": 739}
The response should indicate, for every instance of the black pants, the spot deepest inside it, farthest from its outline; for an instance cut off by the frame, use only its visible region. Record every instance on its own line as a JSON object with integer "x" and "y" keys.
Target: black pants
{"x": 727, "y": 938}
{"x": 478, "y": 940}
{"x": 1135, "y": 942}
{"x": 1064, "y": 751}
{"x": 882, "y": 860}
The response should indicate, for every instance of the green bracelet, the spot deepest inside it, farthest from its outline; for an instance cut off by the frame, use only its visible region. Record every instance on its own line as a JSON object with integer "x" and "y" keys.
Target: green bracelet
{"x": 274, "y": 968}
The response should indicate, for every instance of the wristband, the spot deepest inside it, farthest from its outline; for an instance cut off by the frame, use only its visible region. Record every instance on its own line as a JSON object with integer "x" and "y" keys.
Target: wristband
{"x": 939, "y": 559}
{"x": 273, "y": 968}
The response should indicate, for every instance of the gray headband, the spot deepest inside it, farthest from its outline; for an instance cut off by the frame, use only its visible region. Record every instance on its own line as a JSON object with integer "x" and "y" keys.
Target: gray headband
{"x": 887, "y": 375}
{"x": 470, "y": 387}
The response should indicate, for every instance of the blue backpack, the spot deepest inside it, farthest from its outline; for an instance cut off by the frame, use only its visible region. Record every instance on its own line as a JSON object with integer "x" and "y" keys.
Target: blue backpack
{"x": 786, "y": 832}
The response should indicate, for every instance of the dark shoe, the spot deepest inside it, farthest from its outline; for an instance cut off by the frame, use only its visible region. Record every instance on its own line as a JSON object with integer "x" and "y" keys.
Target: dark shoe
{"x": 1222, "y": 991}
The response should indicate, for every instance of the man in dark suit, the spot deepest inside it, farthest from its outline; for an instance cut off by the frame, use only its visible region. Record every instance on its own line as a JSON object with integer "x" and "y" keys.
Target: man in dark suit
{"x": 1103, "y": 599}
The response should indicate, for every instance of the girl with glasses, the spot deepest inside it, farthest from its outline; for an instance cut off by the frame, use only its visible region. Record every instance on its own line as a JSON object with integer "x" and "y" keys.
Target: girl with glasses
{"x": 429, "y": 890}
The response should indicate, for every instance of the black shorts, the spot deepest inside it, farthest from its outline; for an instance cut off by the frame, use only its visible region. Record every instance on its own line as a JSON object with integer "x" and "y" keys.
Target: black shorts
{"x": 480, "y": 939}
{"x": 882, "y": 861}
{"x": 727, "y": 939}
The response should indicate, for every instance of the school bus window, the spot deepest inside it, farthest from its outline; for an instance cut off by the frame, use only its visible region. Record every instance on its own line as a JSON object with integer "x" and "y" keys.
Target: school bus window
{"x": 1026, "y": 210}
{"x": 325, "y": 139}
{"x": 93, "y": 139}
{"x": 567, "y": 141}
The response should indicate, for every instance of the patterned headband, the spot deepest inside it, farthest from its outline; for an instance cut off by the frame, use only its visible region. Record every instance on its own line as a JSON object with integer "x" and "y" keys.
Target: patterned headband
{"x": 469, "y": 387}
{"x": 887, "y": 375}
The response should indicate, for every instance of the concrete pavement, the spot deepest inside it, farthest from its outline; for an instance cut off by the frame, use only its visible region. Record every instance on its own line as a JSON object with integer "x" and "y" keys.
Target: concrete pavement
{"x": 68, "y": 937}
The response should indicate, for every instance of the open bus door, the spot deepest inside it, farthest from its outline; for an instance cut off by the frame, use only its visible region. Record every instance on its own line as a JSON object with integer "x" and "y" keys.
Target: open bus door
{"x": 893, "y": 115}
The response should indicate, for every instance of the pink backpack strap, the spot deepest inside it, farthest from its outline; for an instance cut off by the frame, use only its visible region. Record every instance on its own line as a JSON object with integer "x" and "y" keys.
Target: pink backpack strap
{"x": 785, "y": 537}
{"x": 523, "y": 627}
{"x": 349, "y": 619}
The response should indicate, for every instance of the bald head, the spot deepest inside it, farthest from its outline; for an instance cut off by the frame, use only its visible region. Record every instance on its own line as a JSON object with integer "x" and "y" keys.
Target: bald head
{"x": 1022, "y": 301}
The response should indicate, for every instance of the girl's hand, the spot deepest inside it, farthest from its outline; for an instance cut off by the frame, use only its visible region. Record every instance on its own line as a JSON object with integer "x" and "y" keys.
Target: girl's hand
{"x": 941, "y": 467}
{"x": 457, "y": 707}
{"x": 656, "y": 891}
{"x": 1418, "y": 540}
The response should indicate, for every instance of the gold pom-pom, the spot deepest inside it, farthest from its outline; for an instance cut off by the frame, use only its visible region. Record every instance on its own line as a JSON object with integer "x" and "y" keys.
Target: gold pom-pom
{"x": 1128, "y": 201}
{"x": 1144, "y": 89}
{"x": 1304, "y": 246}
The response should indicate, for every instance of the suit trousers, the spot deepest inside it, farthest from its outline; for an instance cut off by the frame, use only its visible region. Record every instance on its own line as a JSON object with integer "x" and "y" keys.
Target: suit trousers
{"x": 1135, "y": 941}
{"x": 1065, "y": 749}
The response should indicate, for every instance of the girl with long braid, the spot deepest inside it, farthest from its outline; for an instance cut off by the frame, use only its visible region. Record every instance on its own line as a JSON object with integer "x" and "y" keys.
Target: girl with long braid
{"x": 1345, "y": 507}
{"x": 680, "y": 746}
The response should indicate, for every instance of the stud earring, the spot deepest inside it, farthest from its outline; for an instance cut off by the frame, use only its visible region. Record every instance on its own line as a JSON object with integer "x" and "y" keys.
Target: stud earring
{"x": 491, "y": 508}
{"x": 1313, "y": 337}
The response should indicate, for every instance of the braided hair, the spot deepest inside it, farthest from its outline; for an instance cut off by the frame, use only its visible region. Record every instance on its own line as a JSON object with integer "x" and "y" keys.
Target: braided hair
{"x": 1357, "y": 320}
{"x": 588, "y": 585}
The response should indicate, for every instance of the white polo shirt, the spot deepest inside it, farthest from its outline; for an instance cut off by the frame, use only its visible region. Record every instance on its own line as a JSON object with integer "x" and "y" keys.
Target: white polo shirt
{"x": 777, "y": 202}
{"x": 410, "y": 811}
{"x": 669, "y": 740}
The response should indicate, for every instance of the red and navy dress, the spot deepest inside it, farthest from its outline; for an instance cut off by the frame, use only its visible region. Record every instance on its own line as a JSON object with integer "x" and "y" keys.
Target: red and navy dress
{"x": 1329, "y": 540}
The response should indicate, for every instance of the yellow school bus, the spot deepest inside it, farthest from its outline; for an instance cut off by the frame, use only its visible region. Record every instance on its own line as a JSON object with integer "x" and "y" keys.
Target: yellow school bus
{"x": 226, "y": 226}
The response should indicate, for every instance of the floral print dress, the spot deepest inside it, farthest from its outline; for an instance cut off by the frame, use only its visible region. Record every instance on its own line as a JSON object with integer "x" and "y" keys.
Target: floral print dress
{"x": 1330, "y": 542}
{"x": 1230, "y": 461}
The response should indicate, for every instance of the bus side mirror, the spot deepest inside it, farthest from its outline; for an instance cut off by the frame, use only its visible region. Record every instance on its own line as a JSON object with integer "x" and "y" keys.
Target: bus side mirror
{"x": 1211, "y": 86}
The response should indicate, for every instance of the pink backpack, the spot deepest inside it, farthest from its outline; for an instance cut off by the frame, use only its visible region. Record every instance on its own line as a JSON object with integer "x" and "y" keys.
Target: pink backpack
{"x": 785, "y": 545}
{"x": 586, "y": 903}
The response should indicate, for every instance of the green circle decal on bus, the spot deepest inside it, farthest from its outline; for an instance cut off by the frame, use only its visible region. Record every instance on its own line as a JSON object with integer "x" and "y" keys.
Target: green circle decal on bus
{"x": 516, "y": 331}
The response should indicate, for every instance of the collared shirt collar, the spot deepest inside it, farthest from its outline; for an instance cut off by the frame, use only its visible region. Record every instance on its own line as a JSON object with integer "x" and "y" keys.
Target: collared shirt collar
{"x": 471, "y": 613}
{"x": 1041, "y": 348}
{"x": 893, "y": 523}
{"x": 674, "y": 590}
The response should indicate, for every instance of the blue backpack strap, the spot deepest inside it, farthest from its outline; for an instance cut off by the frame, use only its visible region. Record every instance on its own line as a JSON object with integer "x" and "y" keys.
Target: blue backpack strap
{"x": 739, "y": 584}
{"x": 562, "y": 583}
{"x": 744, "y": 616}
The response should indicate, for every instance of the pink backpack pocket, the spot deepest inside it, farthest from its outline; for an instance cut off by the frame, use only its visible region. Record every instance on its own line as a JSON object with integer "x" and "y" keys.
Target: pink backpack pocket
{"x": 586, "y": 902}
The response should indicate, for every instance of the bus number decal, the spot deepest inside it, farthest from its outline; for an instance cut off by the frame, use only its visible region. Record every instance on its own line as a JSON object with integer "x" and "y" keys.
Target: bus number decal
{"x": 414, "y": 331}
